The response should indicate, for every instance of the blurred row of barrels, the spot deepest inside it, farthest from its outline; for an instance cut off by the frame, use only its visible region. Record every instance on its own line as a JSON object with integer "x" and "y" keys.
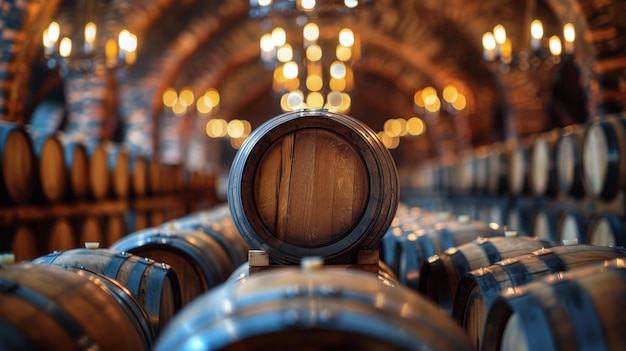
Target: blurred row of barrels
{"x": 577, "y": 161}
{"x": 40, "y": 167}
{"x": 509, "y": 291}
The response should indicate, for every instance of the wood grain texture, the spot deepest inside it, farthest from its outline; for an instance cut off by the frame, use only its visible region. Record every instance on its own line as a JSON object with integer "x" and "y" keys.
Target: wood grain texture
{"x": 311, "y": 187}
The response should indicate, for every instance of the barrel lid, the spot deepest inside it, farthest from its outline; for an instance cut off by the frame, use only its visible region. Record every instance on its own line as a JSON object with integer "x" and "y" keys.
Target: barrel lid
{"x": 313, "y": 183}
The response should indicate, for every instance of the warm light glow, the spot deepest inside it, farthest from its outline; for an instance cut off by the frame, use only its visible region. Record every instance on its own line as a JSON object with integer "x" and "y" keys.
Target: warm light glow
{"x": 335, "y": 99}
{"x": 123, "y": 39}
{"x": 65, "y": 47}
{"x": 460, "y": 103}
{"x": 569, "y": 33}
{"x": 110, "y": 51}
{"x": 264, "y": 2}
{"x": 337, "y": 84}
{"x": 179, "y": 108}
{"x": 90, "y": 32}
{"x": 279, "y": 37}
{"x": 311, "y": 31}
{"x": 499, "y": 34}
{"x": 295, "y": 100}
{"x": 308, "y": 5}
{"x": 314, "y": 83}
{"x": 450, "y": 93}
{"x": 403, "y": 127}
{"x": 351, "y": 3}
{"x": 47, "y": 42}
{"x": 555, "y": 45}
{"x": 489, "y": 41}
{"x": 54, "y": 30}
{"x": 292, "y": 84}
{"x": 283, "y": 103}
{"x": 417, "y": 98}
{"x": 346, "y": 102}
{"x": 432, "y": 103}
{"x": 213, "y": 96}
{"x": 343, "y": 53}
{"x": 388, "y": 128}
{"x": 346, "y": 37}
{"x": 415, "y": 126}
{"x": 266, "y": 43}
{"x": 247, "y": 128}
{"x": 170, "y": 97}
{"x": 428, "y": 91}
{"x": 235, "y": 128}
{"x": 186, "y": 97}
{"x": 314, "y": 53}
{"x": 216, "y": 128}
{"x": 536, "y": 29}
{"x": 284, "y": 53}
{"x": 315, "y": 100}
{"x": 337, "y": 70}
{"x": 290, "y": 70}
{"x": 203, "y": 105}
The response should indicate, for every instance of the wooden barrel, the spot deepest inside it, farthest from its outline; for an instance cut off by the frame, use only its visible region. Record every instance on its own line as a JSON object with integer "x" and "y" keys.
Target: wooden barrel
{"x": 155, "y": 285}
{"x": 88, "y": 229}
{"x": 136, "y": 220}
{"x": 419, "y": 246}
{"x": 545, "y": 223}
{"x": 518, "y": 166}
{"x": 572, "y": 226}
{"x": 497, "y": 169}
{"x": 118, "y": 164}
{"x": 50, "y": 308}
{"x": 199, "y": 261}
{"x": 440, "y": 276}
{"x": 464, "y": 174}
{"x": 138, "y": 169}
{"x": 60, "y": 234}
{"x": 604, "y": 160}
{"x": 155, "y": 178}
{"x": 17, "y": 164}
{"x": 52, "y": 173}
{"x": 479, "y": 288}
{"x": 324, "y": 309}
{"x": 98, "y": 170}
{"x": 217, "y": 223}
{"x": 481, "y": 167}
{"x": 569, "y": 168}
{"x": 542, "y": 178}
{"x": 313, "y": 183}
{"x": 77, "y": 168}
{"x": 24, "y": 242}
{"x": 607, "y": 230}
{"x": 114, "y": 228}
{"x": 577, "y": 310}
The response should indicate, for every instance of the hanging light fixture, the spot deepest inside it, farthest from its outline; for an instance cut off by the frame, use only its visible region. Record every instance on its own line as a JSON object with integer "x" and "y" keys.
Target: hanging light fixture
{"x": 318, "y": 72}
{"x": 88, "y": 37}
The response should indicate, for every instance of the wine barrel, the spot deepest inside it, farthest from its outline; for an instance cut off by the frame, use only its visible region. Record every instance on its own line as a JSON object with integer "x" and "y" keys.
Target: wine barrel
{"x": 479, "y": 288}
{"x": 60, "y": 234}
{"x": 497, "y": 169}
{"x": 572, "y": 226}
{"x": 545, "y": 223}
{"x": 88, "y": 229}
{"x": 607, "y": 229}
{"x": 481, "y": 169}
{"x": 138, "y": 168}
{"x": 217, "y": 223}
{"x": 114, "y": 228}
{"x": 77, "y": 168}
{"x": 324, "y": 309}
{"x": 125, "y": 299}
{"x": 50, "y": 308}
{"x": 155, "y": 178}
{"x": 199, "y": 261}
{"x": 604, "y": 160}
{"x": 98, "y": 170}
{"x": 17, "y": 164}
{"x": 518, "y": 166}
{"x": 52, "y": 176}
{"x": 419, "y": 246}
{"x": 577, "y": 310}
{"x": 569, "y": 170}
{"x": 464, "y": 174}
{"x": 440, "y": 276}
{"x": 24, "y": 242}
{"x": 118, "y": 164}
{"x": 542, "y": 177}
{"x": 136, "y": 221}
{"x": 154, "y": 285}
{"x": 313, "y": 183}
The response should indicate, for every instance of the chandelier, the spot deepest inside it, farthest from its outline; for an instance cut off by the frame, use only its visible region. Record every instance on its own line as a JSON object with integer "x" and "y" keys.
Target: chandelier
{"x": 311, "y": 61}
{"x": 88, "y": 38}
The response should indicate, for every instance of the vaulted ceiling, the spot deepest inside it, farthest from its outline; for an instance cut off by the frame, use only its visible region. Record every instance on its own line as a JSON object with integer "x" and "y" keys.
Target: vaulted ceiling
{"x": 406, "y": 46}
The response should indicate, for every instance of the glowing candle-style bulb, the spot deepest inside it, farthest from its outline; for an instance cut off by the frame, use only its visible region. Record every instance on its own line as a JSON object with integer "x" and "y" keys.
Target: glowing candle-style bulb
{"x": 65, "y": 47}
{"x": 536, "y": 31}
{"x": 489, "y": 46}
{"x": 90, "y": 37}
{"x": 555, "y": 45}
{"x": 569, "y": 35}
